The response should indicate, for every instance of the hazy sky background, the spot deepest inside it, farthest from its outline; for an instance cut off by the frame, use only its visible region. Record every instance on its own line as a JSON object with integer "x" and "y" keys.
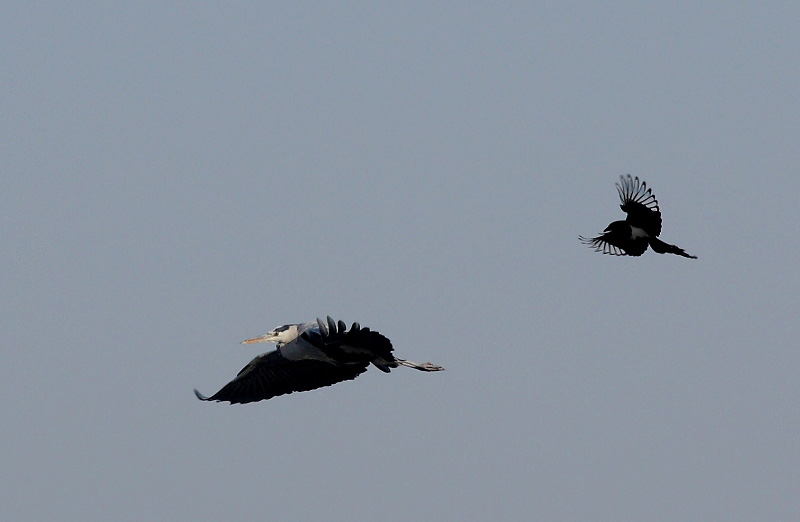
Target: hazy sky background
{"x": 176, "y": 177}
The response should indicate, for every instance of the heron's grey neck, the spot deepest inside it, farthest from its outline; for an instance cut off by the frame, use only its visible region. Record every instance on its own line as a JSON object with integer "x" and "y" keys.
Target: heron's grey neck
{"x": 299, "y": 349}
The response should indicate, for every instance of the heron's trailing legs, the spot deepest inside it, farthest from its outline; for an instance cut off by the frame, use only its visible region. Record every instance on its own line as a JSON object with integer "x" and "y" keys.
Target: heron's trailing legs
{"x": 424, "y": 367}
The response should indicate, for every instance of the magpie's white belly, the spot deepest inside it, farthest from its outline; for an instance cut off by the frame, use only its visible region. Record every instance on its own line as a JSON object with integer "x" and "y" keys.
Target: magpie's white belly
{"x": 637, "y": 232}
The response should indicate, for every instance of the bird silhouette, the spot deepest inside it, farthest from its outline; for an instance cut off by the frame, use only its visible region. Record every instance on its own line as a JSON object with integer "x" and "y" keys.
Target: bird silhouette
{"x": 311, "y": 355}
{"x": 641, "y": 227}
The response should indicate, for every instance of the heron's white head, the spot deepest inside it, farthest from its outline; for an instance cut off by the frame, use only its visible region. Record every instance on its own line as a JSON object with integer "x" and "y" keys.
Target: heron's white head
{"x": 281, "y": 335}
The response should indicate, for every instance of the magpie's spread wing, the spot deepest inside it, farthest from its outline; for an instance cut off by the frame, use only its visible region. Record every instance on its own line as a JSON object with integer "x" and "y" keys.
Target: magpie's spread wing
{"x": 601, "y": 245}
{"x": 639, "y": 203}
{"x": 608, "y": 244}
{"x": 270, "y": 375}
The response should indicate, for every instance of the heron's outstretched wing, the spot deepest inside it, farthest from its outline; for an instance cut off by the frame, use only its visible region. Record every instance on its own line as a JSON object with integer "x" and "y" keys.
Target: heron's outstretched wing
{"x": 356, "y": 344}
{"x": 270, "y": 375}
{"x": 640, "y": 204}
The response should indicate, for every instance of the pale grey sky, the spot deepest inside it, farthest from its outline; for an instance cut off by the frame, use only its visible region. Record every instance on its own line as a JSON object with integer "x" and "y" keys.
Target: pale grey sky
{"x": 176, "y": 178}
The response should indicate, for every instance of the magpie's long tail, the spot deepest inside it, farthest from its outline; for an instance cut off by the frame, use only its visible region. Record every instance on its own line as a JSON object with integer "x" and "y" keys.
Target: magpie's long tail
{"x": 665, "y": 248}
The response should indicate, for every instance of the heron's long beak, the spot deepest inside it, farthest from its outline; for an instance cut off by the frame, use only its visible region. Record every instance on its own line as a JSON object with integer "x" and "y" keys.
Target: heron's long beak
{"x": 261, "y": 339}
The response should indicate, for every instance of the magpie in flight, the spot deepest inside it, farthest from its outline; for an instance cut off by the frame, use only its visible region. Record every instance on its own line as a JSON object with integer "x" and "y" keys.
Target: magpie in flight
{"x": 641, "y": 228}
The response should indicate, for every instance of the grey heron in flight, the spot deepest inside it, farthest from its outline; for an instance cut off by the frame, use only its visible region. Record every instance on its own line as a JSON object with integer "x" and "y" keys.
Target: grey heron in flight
{"x": 311, "y": 355}
{"x": 641, "y": 227}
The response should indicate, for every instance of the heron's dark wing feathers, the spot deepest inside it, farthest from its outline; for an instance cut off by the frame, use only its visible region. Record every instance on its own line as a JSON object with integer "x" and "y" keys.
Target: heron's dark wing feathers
{"x": 270, "y": 375}
{"x": 639, "y": 203}
{"x": 357, "y": 344}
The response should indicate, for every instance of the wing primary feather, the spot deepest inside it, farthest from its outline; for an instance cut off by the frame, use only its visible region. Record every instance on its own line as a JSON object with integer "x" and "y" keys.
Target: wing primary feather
{"x": 332, "y": 326}
{"x": 323, "y": 328}
{"x": 621, "y": 192}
